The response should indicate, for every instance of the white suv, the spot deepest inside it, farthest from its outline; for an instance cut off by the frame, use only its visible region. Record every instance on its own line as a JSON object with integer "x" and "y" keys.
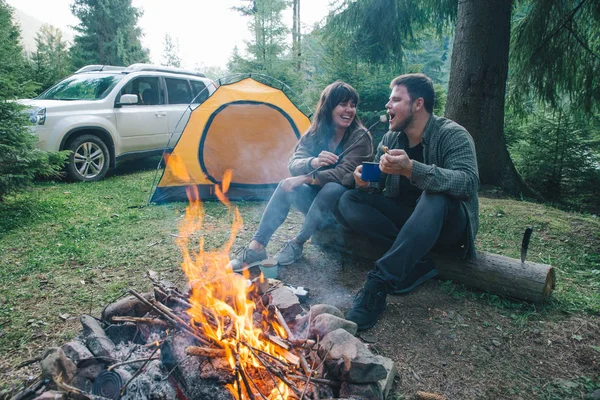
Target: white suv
{"x": 106, "y": 114}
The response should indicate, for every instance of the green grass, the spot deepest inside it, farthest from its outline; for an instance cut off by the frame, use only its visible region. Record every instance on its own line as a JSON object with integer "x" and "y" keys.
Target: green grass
{"x": 72, "y": 248}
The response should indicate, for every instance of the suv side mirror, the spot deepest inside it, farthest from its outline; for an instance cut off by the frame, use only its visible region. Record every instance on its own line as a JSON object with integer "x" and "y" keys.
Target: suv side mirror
{"x": 128, "y": 99}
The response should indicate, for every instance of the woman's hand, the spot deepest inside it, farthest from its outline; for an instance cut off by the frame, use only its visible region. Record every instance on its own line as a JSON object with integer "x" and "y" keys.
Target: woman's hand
{"x": 359, "y": 183}
{"x": 325, "y": 158}
{"x": 396, "y": 162}
{"x": 290, "y": 184}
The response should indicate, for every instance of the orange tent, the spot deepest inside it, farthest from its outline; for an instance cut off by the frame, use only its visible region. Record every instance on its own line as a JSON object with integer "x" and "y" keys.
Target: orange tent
{"x": 248, "y": 127}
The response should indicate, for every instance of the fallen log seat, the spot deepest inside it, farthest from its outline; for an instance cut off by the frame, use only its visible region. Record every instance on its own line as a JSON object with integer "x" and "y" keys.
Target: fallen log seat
{"x": 489, "y": 272}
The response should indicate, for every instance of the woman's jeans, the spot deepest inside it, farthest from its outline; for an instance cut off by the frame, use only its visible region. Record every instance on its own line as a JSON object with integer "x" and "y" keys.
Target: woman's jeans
{"x": 316, "y": 203}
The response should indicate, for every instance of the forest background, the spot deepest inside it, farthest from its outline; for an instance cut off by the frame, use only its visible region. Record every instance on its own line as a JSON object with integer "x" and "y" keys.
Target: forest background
{"x": 521, "y": 76}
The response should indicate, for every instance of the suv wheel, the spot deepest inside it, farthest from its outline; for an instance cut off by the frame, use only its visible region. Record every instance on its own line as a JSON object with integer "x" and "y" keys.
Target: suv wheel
{"x": 89, "y": 159}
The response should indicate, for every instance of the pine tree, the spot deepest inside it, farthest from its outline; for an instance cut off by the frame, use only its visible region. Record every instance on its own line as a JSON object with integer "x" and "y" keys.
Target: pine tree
{"x": 51, "y": 59}
{"x": 171, "y": 52}
{"x": 268, "y": 47}
{"x": 108, "y": 33}
{"x": 20, "y": 161}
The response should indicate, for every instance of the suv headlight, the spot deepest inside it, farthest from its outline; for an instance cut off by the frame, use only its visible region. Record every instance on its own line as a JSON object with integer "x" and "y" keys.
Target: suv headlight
{"x": 38, "y": 116}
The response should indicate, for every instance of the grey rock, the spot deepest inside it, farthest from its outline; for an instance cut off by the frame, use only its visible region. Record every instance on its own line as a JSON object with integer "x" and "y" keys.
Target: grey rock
{"x": 55, "y": 364}
{"x": 366, "y": 391}
{"x": 76, "y": 351}
{"x": 326, "y": 323}
{"x": 348, "y": 359}
{"x": 128, "y": 306}
{"x": 319, "y": 309}
{"x": 90, "y": 368}
{"x": 95, "y": 338}
{"x": 496, "y": 342}
{"x": 287, "y": 302}
{"x": 123, "y": 333}
{"x": 386, "y": 384}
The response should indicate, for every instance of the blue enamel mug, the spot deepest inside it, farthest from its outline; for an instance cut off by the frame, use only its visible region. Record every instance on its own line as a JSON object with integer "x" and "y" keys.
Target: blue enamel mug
{"x": 370, "y": 172}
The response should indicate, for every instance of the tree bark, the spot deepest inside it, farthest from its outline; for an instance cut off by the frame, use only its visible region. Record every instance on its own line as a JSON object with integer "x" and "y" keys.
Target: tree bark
{"x": 477, "y": 87}
{"x": 296, "y": 34}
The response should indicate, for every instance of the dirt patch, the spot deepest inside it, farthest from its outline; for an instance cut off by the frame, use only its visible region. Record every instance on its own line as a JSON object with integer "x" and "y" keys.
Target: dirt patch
{"x": 443, "y": 340}
{"x": 460, "y": 347}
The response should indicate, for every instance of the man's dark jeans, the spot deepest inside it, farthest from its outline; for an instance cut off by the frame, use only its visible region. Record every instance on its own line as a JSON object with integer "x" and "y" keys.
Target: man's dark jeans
{"x": 438, "y": 221}
{"x": 316, "y": 203}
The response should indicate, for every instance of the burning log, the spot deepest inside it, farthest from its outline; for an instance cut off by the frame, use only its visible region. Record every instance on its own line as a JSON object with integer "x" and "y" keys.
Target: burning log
{"x": 142, "y": 320}
{"x": 205, "y": 352}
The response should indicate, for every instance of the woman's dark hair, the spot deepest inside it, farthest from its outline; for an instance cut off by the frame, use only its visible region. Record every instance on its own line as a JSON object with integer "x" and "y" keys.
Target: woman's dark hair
{"x": 321, "y": 129}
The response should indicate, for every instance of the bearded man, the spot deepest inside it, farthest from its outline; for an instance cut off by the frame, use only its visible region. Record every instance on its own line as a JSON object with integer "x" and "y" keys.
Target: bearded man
{"x": 426, "y": 198}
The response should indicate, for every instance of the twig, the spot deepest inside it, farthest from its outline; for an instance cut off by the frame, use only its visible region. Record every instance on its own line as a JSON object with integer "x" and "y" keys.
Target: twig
{"x": 244, "y": 378}
{"x": 254, "y": 384}
{"x": 205, "y": 352}
{"x": 74, "y": 391}
{"x": 142, "y": 320}
{"x": 282, "y": 322}
{"x": 172, "y": 318}
{"x": 29, "y": 392}
{"x": 131, "y": 362}
{"x": 139, "y": 371}
{"x": 320, "y": 381}
{"x": 264, "y": 365}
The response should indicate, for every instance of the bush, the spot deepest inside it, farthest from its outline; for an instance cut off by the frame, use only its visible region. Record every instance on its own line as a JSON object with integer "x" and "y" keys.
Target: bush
{"x": 20, "y": 161}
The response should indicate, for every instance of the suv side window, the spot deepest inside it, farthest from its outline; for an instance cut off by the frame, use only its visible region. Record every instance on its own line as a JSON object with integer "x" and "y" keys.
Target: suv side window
{"x": 146, "y": 88}
{"x": 178, "y": 91}
{"x": 199, "y": 88}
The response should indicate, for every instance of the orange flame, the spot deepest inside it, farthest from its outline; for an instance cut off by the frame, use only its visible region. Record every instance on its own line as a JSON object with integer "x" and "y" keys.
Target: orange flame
{"x": 219, "y": 298}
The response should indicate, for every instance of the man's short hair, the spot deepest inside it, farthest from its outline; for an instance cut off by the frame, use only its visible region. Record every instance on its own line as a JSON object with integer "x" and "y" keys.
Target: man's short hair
{"x": 417, "y": 85}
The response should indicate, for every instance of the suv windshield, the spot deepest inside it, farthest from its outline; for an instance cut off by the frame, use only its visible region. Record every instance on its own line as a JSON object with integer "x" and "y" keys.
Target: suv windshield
{"x": 82, "y": 87}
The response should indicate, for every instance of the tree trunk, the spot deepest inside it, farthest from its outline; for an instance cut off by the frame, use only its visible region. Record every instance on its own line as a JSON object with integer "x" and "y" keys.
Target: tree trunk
{"x": 477, "y": 87}
{"x": 296, "y": 35}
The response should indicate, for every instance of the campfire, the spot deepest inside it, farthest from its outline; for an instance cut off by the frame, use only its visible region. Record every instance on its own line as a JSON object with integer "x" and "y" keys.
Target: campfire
{"x": 226, "y": 336}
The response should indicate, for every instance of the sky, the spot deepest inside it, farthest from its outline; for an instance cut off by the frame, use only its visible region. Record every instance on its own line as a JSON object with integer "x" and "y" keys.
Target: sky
{"x": 206, "y": 30}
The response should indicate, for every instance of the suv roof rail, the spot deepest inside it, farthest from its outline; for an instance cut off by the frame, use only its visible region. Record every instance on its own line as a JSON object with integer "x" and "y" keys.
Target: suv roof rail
{"x": 160, "y": 68}
{"x": 98, "y": 67}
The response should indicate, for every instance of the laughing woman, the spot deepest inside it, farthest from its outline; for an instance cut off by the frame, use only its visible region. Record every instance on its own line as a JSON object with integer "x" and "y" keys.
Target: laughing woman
{"x": 320, "y": 175}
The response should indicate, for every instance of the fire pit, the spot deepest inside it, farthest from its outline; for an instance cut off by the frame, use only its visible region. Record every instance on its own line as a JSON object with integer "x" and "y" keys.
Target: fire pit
{"x": 226, "y": 336}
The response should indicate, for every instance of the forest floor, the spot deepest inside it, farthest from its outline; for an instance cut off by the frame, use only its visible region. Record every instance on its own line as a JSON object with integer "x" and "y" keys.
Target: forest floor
{"x": 70, "y": 249}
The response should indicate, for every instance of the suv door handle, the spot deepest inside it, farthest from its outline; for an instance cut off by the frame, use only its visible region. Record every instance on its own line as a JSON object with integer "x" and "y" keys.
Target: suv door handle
{"x": 160, "y": 114}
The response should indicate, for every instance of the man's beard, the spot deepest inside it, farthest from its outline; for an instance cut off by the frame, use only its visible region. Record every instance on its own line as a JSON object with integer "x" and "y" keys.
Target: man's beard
{"x": 406, "y": 123}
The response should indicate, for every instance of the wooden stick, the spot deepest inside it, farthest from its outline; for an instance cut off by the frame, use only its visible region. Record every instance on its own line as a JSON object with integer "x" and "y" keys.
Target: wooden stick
{"x": 205, "y": 352}
{"x": 142, "y": 320}
{"x": 74, "y": 392}
{"x": 278, "y": 341}
{"x": 172, "y": 318}
{"x": 284, "y": 324}
{"x": 131, "y": 362}
{"x": 139, "y": 371}
{"x": 264, "y": 364}
{"x": 320, "y": 381}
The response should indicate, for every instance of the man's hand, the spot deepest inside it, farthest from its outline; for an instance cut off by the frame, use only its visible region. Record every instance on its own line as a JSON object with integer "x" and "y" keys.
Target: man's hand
{"x": 290, "y": 184}
{"x": 325, "y": 158}
{"x": 359, "y": 182}
{"x": 396, "y": 162}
